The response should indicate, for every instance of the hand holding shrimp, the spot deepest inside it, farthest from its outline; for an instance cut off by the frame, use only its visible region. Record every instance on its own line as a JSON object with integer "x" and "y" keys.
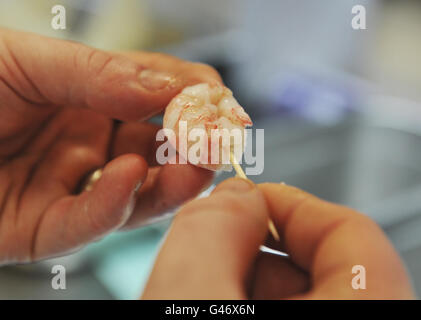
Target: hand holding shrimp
{"x": 58, "y": 100}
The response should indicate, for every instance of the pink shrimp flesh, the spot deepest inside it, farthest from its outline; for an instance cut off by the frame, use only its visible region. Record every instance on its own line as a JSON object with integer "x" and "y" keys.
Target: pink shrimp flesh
{"x": 209, "y": 108}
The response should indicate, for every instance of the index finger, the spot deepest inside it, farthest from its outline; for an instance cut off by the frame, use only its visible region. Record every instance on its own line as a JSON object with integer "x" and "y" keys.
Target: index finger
{"x": 328, "y": 240}
{"x": 46, "y": 71}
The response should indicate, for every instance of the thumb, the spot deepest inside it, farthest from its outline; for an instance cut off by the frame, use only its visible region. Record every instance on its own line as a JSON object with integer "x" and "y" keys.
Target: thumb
{"x": 43, "y": 70}
{"x": 74, "y": 221}
{"x": 211, "y": 245}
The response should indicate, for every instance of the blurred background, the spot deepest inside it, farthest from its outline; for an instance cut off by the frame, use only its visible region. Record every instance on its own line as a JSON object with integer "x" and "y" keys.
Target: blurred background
{"x": 341, "y": 109}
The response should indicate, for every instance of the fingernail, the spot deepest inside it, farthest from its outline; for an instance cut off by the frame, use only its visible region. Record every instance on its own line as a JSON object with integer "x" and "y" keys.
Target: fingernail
{"x": 236, "y": 185}
{"x": 155, "y": 80}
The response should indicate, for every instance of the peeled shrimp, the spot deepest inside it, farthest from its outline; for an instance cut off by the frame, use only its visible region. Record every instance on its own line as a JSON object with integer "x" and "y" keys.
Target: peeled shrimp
{"x": 209, "y": 109}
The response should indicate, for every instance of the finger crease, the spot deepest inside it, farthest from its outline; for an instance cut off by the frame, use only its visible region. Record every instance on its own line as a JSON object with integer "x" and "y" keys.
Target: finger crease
{"x": 31, "y": 172}
{"x": 30, "y": 82}
{"x": 327, "y": 232}
{"x": 104, "y": 65}
{"x": 290, "y": 213}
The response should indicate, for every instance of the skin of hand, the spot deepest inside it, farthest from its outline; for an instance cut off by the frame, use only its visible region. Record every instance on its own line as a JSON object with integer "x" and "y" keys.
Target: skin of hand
{"x": 58, "y": 102}
{"x": 212, "y": 249}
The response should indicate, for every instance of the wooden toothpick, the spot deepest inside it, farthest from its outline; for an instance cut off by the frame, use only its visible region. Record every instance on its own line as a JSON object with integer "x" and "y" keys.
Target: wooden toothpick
{"x": 241, "y": 174}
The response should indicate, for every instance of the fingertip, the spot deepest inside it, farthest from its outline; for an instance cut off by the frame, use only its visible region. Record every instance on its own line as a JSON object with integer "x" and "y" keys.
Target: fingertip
{"x": 226, "y": 226}
{"x": 116, "y": 190}
{"x": 166, "y": 188}
{"x": 238, "y": 205}
{"x": 282, "y": 187}
{"x": 129, "y": 167}
{"x": 282, "y": 199}
{"x": 76, "y": 220}
{"x": 180, "y": 182}
{"x": 235, "y": 184}
{"x": 196, "y": 72}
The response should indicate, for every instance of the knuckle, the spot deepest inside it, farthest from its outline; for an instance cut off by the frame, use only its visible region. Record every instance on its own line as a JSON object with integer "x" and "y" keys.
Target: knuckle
{"x": 99, "y": 61}
{"x": 92, "y": 60}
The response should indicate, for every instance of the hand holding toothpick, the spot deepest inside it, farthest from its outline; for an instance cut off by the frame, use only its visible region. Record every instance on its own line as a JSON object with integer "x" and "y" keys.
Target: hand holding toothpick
{"x": 242, "y": 175}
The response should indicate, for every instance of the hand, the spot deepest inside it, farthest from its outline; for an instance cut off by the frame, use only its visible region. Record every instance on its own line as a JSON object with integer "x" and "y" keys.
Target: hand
{"x": 212, "y": 249}
{"x": 57, "y": 100}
